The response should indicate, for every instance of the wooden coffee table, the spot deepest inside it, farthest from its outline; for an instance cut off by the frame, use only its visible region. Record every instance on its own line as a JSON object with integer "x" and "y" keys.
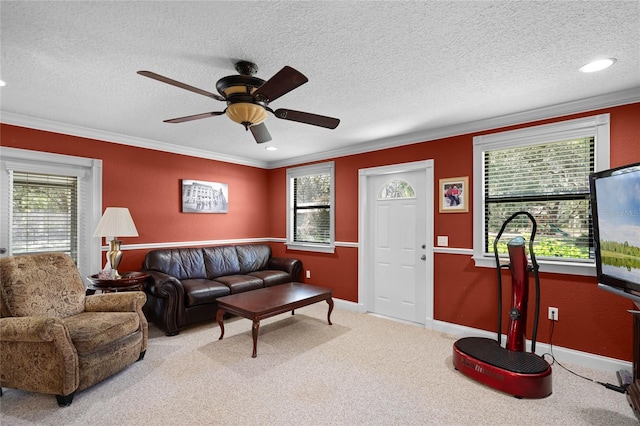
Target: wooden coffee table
{"x": 257, "y": 305}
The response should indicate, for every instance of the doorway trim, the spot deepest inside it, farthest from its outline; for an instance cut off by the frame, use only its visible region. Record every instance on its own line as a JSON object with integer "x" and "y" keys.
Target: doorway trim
{"x": 365, "y": 283}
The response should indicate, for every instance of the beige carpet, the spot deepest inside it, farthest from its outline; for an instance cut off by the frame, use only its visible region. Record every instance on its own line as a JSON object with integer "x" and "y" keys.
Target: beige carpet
{"x": 362, "y": 370}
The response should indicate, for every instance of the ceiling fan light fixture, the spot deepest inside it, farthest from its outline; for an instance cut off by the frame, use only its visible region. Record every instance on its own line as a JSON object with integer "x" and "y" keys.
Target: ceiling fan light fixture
{"x": 248, "y": 97}
{"x": 246, "y": 113}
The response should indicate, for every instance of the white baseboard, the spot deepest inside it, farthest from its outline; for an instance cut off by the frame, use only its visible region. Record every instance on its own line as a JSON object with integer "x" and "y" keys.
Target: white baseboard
{"x": 562, "y": 355}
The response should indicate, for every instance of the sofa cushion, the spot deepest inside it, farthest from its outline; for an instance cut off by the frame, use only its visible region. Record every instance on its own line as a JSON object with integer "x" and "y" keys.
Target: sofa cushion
{"x": 241, "y": 283}
{"x": 182, "y": 263}
{"x": 253, "y": 257}
{"x": 60, "y": 293}
{"x": 91, "y": 331}
{"x": 271, "y": 278}
{"x": 200, "y": 291}
{"x": 219, "y": 261}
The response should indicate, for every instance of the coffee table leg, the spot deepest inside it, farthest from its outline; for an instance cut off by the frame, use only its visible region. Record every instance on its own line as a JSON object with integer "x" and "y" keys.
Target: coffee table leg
{"x": 219, "y": 316}
{"x": 254, "y": 333}
{"x": 330, "y": 302}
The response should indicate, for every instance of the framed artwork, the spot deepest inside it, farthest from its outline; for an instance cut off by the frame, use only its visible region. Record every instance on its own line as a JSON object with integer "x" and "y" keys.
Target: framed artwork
{"x": 204, "y": 197}
{"x": 454, "y": 195}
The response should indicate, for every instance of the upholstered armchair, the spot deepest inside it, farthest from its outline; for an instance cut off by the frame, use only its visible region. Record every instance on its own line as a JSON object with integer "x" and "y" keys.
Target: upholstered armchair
{"x": 56, "y": 340}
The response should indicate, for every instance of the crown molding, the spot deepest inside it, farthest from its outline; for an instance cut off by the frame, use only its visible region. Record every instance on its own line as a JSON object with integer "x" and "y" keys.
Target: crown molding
{"x": 85, "y": 132}
{"x": 608, "y": 100}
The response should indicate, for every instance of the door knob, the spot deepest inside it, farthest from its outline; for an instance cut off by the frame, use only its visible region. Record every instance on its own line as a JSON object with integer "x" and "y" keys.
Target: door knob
{"x": 423, "y": 257}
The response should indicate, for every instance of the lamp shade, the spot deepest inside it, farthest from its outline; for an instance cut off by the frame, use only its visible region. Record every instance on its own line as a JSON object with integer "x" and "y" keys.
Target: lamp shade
{"x": 116, "y": 222}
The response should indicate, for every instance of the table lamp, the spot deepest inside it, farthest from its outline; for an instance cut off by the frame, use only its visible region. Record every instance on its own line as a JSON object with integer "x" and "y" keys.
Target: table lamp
{"x": 115, "y": 222}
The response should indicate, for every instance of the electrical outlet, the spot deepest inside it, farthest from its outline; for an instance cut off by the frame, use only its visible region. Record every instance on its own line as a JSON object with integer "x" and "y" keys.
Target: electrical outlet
{"x": 553, "y": 313}
{"x": 308, "y": 273}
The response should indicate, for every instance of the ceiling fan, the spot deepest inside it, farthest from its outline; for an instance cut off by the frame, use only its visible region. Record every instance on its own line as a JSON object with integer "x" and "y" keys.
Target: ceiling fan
{"x": 248, "y": 99}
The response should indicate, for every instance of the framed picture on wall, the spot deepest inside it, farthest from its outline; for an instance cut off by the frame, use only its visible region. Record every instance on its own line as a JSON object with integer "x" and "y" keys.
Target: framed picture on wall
{"x": 454, "y": 195}
{"x": 204, "y": 197}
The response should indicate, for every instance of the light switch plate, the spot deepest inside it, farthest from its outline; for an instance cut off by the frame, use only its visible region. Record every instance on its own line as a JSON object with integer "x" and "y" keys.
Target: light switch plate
{"x": 443, "y": 241}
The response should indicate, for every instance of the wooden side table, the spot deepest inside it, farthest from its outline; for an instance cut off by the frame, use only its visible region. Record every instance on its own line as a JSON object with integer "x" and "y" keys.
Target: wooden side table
{"x": 128, "y": 281}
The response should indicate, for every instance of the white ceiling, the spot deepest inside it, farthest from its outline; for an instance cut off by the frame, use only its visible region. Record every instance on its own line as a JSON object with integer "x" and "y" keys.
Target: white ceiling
{"x": 393, "y": 72}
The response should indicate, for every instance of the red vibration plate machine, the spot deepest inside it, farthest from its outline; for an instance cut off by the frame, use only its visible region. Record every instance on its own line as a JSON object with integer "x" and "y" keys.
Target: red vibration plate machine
{"x": 509, "y": 369}
{"x": 521, "y": 374}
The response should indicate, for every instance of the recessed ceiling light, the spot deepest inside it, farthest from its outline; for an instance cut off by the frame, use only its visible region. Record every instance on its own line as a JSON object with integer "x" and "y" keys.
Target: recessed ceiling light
{"x": 2, "y": 83}
{"x": 271, "y": 148}
{"x": 598, "y": 65}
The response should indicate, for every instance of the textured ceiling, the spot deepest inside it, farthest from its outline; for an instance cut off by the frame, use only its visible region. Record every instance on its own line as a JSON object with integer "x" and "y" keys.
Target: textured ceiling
{"x": 393, "y": 72}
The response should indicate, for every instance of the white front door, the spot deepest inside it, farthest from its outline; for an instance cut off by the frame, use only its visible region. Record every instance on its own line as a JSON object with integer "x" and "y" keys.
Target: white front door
{"x": 398, "y": 227}
{"x": 395, "y": 233}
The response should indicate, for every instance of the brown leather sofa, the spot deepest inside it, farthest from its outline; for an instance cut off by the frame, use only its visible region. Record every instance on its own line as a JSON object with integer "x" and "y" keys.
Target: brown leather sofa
{"x": 184, "y": 283}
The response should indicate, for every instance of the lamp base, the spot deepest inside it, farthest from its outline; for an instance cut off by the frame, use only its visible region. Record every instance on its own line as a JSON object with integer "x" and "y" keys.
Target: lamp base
{"x": 115, "y": 256}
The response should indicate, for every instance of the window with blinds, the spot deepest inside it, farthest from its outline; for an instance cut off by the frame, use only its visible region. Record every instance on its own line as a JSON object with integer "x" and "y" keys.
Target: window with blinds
{"x": 548, "y": 180}
{"x": 312, "y": 208}
{"x": 44, "y": 214}
{"x": 310, "y": 212}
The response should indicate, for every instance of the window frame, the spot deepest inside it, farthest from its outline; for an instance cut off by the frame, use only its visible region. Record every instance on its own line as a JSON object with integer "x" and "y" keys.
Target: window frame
{"x": 297, "y": 172}
{"x": 597, "y": 126}
{"x": 89, "y": 174}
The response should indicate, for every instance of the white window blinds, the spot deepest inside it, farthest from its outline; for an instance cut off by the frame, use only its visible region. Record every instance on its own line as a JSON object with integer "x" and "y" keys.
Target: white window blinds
{"x": 312, "y": 208}
{"x": 44, "y": 214}
{"x": 550, "y": 181}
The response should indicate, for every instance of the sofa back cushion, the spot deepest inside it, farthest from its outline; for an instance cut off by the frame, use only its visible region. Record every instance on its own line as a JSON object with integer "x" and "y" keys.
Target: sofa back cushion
{"x": 221, "y": 260}
{"x": 182, "y": 263}
{"x": 253, "y": 257}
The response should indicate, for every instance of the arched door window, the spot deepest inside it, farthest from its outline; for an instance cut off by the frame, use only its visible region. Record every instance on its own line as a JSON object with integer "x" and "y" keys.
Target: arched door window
{"x": 396, "y": 188}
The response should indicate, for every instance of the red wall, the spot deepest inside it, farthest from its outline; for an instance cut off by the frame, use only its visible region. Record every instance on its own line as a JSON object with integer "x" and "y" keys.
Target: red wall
{"x": 148, "y": 182}
{"x": 590, "y": 319}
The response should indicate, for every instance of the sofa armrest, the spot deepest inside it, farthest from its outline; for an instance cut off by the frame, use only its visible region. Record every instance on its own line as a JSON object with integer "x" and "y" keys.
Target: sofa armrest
{"x": 292, "y": 266}
{"x": 165, "y": 301}
{"x": 33, "y": 348}
{"x": 163, "y": 285}
{"x": 33, "y": 330}
{"x": 130, "y": 301}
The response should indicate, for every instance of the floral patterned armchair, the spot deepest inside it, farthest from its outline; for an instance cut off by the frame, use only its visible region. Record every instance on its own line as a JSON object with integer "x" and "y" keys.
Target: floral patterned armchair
{"x": 56, "y": 340}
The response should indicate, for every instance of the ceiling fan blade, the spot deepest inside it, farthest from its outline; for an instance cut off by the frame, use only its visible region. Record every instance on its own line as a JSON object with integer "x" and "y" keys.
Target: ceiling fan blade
{"x": 281, "y": 83}
{"x": 194, "y": 117}
{"x": 172, "y": 82}
{"x": 260, "y": 133}
{"x": 307, "y": 118}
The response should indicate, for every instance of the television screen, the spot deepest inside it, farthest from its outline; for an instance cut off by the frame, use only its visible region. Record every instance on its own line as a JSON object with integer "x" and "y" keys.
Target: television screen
{"x": 615, "y": 207}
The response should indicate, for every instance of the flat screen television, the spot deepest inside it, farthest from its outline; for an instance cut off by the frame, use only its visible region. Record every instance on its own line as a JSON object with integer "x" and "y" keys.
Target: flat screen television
{"x": 615, "y": 212}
